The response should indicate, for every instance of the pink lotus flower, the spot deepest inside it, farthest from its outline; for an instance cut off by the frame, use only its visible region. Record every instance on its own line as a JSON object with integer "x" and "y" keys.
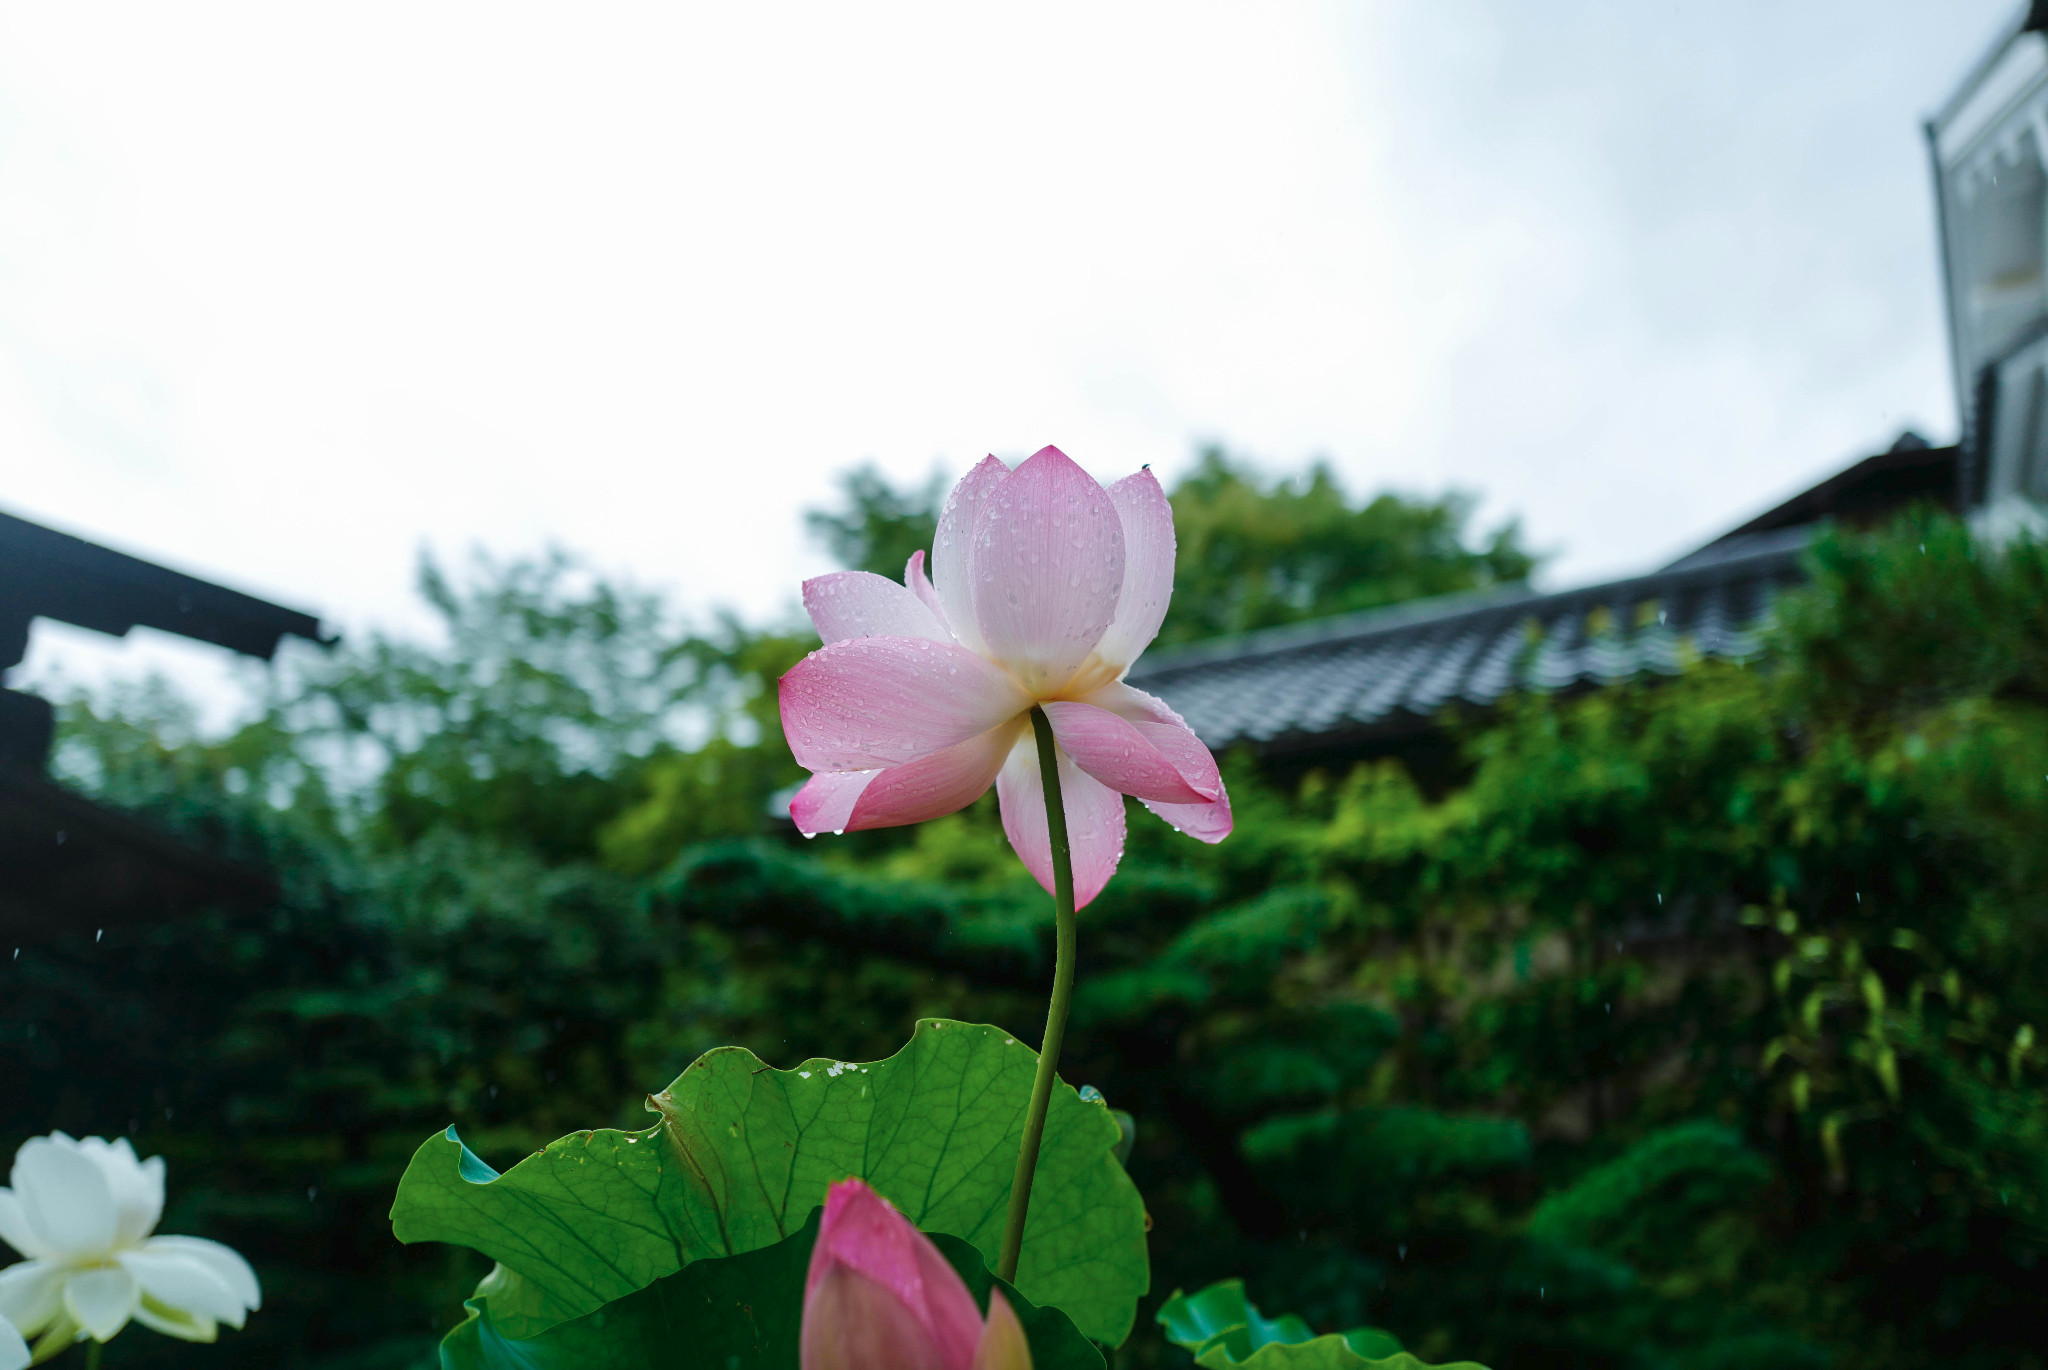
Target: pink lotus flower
{"x": 879, "y": 1296}
{"x": 1044, "y": 589}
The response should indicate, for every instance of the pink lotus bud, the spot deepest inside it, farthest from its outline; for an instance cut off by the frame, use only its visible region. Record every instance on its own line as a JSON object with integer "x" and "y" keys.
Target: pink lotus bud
{"x": 1002, "y": 1341}
{"x": 879, "y": 1296}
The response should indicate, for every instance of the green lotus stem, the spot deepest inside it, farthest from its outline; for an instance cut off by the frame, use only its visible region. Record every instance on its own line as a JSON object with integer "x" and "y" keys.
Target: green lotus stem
{"x": 1062, "y": 995}
{"x": 92, "y": 1353}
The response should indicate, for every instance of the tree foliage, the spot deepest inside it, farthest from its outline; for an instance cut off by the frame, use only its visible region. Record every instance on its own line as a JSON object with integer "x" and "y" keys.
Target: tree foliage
{"x": 1257, "y": 554}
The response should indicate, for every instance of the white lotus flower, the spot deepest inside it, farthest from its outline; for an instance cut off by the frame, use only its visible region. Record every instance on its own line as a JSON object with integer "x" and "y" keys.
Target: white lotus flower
{"x": 82, "y": 1212}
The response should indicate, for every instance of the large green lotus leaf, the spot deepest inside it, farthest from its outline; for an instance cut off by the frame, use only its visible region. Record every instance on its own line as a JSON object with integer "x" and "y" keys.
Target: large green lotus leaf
{"x": 744, "y": 1152}
{"x": 736, "y": 1313}
{"x": 1225, "y": 1329}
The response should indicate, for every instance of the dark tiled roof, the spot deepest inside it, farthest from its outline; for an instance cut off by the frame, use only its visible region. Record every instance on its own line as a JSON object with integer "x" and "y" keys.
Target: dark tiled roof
{"x": 1388, "y": 672}
{"x": 1862, "y": 494}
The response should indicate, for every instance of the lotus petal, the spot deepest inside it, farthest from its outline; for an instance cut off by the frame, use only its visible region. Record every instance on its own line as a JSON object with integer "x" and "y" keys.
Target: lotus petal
{"x": 876, "y": 1280}
{"x": 179, "y": 1280}
{"x": 883, "y": 701}
{"x": 65, "y": 1195}
{"x": 914, "y": 578}
{"x": 1148, "y": 568}
{"x": 825, "y": 803}
{"x": 1208, "y": 822}
{"x": 181, "y": 1323}
{"x": 849, "y": 604}
{"x": 951, "y": 577}
{"x": 31, "y": 1293}
{"x": 137, "y": 1186}
{"x": 224, "y": 1261}
{"x": 1150, "y": 760}
{"x": 1095, "y": 821}
{"x": 1047, "y": 562}
{"x": 101, "y": 1301}
{"x": 15, "y": 1229}
{"x": 1003, "y": 1344}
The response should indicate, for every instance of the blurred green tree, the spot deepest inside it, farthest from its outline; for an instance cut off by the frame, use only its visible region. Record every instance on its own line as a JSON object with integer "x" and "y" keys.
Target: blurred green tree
{"x": 877, "y": 526}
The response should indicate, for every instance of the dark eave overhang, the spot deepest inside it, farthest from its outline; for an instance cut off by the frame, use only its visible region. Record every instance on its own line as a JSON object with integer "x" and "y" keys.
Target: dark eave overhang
{"x": 48, "y": 574}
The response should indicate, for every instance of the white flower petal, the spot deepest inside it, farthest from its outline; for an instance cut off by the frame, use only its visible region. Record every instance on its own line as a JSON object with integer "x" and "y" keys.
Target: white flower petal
{"x": 175, "y": 1322}
{"x": 180, "y": 1281}
{"x": 14, "y": 1226}
{"x": 31, "y": 1292}
{"x": 13, "y": 1350}
{"x": 65, "y": 1195}
{"x": 137, "y": 1186}
{"x": 102, "y": 1300}
{"x": 224, "y": 1261}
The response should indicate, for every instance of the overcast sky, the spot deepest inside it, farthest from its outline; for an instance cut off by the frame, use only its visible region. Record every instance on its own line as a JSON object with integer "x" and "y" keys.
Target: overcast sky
{"x": 288, "y": 294}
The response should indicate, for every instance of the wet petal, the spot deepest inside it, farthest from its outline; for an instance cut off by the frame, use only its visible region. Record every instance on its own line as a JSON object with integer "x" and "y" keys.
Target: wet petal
{"x": 101, "y": 1301}
{"x": 65, "y": 1196}
{"x": 916, "y": 792}
{"x": 950, "y": 575}
{"x": 1208, "y": 822}
{"x": 825, "y": 803}
{"x": 942, "y": 783}
{"x": 849, "y": 604}
{"x": 914, "y": 579}
{"x": 1148, "y": 568}
{"x": 1047, "y": 561}
{"x": 1095, "y": 820}
{"x": 1156, "y": 761}
{"x": 883, "y": 701}
{"x": 1127, "y": 701}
